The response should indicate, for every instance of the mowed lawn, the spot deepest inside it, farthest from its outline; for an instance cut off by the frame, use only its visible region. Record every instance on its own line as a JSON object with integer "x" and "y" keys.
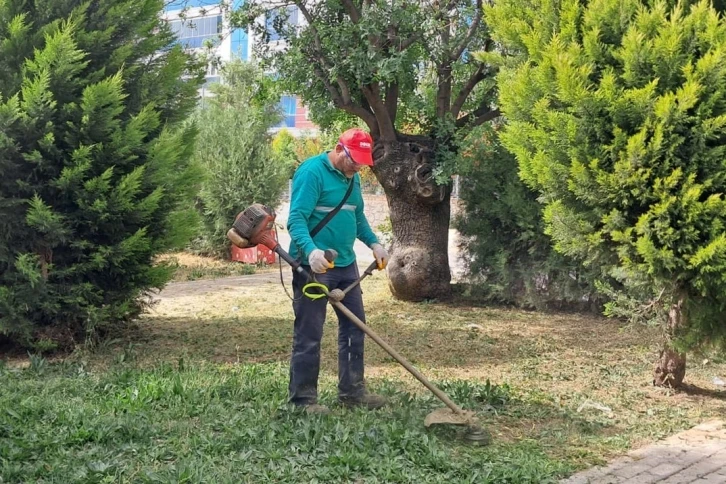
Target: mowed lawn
{"x": 196, "y": 392}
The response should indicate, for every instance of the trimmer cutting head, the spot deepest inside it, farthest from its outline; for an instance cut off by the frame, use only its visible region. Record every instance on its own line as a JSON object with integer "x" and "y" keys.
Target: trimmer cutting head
{"x": 473, "y": 432}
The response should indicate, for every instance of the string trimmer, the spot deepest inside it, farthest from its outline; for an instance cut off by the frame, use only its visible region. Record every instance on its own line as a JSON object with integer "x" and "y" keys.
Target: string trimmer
{"x": 256, "y": 225}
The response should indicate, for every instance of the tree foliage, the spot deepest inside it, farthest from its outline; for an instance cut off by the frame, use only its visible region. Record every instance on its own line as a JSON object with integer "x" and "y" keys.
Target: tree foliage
{"x": 403, "y": 69}
{"x": 294, "y": 150}
{"x": 234, "y": 150}
{"x": 509, "y": 257}
{"x": 397, "y": 67}
{"x": 616, "y": 115}
{"x": 95, "y": 175}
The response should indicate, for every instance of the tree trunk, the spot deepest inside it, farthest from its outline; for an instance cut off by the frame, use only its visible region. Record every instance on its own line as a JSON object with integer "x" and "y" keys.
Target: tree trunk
{"x": 671, "y": 366}
{"x": 419, "y": 211}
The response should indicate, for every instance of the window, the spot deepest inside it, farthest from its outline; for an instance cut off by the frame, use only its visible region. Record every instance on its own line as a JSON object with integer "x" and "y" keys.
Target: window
{"x": 181, "y": 4}
{"x": 280, "y": 20}
{"x": 239, "y": 43}
{"x": 287, "y": 106}
{"x": 194, "y": 31}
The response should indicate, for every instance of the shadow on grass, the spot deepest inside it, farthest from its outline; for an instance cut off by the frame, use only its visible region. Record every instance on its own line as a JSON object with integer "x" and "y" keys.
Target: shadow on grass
{"x": 267, "y": 339}
{"x": 693, "y": 390}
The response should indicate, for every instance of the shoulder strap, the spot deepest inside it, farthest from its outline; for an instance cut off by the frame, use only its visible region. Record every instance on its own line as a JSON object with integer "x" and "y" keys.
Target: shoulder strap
{"x": 332, "y": 213}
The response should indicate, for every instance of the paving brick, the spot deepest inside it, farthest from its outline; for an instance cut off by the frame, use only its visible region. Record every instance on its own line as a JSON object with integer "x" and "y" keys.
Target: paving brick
{"x": 706, "y": 466}
{"x": 634, "y": 469}
{"x": 666, "y": 470}
{"x": 681, "y": 457}
{"x": 695, "y": 456}
{"x": 644, "y": 478}
{"x": 576, "y": 479}
{"x": 608, "y": 479}
{"x": 586, "y": 476}
{"x": 618, "y": 463}
{"x": 680, "y": 478}
{"x": 689, "y": 458}
{"x": 715, "y": 447}
{"x": 649, "y": 450}
{"x": 711, "y": 479}
{"x": 660, "y": 452}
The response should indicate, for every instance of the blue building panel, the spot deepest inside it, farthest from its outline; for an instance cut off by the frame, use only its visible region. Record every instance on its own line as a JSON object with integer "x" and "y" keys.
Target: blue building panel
{"x": 240, "y": 43}
{"x": 271, "y": 19}
{"x": 288, "y": 108}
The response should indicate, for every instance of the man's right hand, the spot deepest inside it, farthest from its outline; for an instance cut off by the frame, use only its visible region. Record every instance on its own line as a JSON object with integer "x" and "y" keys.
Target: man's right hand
{"x": 318, "y": 263}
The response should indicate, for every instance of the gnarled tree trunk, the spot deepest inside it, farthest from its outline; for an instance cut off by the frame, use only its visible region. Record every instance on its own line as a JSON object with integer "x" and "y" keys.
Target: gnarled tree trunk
{"x": 671, "y": 366}
{"x": 419, "y": 211}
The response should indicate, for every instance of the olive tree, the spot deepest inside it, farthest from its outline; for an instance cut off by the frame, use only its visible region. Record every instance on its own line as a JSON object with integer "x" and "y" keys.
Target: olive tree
{"x": 404, "y": 69}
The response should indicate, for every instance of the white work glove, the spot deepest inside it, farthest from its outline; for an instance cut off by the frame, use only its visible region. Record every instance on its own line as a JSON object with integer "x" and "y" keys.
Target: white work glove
{"x": 381, "y": 255}
{"x": 318, "y": 263}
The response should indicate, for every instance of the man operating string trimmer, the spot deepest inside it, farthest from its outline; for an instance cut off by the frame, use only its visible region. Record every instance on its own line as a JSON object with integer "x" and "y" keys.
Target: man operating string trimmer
{"x": 321, "y": 185}
{"x": 326, "y": 217}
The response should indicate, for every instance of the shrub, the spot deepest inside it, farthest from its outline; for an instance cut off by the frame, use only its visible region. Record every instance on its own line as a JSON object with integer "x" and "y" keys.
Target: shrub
{"x": 95, "y": 173}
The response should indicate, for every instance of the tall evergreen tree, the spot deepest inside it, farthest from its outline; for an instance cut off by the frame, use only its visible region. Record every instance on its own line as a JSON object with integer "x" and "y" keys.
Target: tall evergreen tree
{"x": 617, "y": 110}
{"x": 94, "y": 172}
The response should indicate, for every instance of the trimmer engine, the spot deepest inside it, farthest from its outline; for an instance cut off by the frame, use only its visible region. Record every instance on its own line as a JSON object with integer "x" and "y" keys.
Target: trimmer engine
{"x": 255, "y": 225}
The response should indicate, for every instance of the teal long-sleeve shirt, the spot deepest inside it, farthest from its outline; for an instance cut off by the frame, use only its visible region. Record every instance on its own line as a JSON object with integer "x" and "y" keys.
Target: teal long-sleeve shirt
{"x": 317, "y": 188}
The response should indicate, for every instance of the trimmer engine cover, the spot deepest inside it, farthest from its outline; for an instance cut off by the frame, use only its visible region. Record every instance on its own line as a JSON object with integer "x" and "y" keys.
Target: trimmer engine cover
{"x": 255, "y": 220}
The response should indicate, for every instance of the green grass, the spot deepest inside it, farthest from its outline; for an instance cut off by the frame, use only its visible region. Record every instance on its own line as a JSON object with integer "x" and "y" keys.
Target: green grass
{"x": 175, "y": 423}
{"x": 197, "y": 393}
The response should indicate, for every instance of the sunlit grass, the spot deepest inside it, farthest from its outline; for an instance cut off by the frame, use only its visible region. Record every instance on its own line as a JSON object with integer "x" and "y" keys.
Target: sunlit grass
{"x": 197, "y": 393}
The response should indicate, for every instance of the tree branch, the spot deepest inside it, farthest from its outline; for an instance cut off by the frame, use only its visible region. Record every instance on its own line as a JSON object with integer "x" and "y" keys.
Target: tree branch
{"x": 475, "y": 78}
{"x": 409, "y": 42}
{"x": 352, "y": 11}
{"x": 341, "y": 98}
{"x": 469, "y": 33}
{"x": 392, "y": 101}
{"x": 479, "y": 116}
{"x": 386, "y": 128}
{"x": 443, "y": 90}
{"x": 348, "y": 106}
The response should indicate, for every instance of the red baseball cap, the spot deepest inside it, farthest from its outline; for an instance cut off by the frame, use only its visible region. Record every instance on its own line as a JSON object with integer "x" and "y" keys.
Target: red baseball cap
{"x": 359, "y": 145}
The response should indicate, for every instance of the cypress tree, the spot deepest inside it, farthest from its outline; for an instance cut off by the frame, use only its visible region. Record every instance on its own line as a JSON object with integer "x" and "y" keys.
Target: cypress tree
{"x": 95, "y": 176}
{"x": 617, "y": 110}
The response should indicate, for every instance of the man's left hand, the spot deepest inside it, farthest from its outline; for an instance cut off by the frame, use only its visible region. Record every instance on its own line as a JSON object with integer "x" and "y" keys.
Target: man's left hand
{"x": 381, "y": 255}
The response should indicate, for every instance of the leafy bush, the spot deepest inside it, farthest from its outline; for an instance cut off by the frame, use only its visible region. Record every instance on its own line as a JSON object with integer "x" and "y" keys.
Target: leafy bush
{"x": 95, "y": 174}
{"x": 509, "y": 257}
{"x": 292, "y": 151}
{"x": 234, "y": 151}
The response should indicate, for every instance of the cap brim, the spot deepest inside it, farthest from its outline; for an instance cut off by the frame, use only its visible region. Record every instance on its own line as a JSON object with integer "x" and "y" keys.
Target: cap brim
{"x": 361, "y": 157}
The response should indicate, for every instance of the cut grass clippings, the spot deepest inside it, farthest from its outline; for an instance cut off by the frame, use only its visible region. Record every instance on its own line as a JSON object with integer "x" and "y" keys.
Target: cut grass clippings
{"x": 191, "y": 267}
{"x": 197, "y": 393}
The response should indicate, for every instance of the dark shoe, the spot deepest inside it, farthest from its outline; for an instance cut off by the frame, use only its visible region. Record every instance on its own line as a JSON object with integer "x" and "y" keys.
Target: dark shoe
{"x": 368, "y": 401}
{"x": 315, "y": 409}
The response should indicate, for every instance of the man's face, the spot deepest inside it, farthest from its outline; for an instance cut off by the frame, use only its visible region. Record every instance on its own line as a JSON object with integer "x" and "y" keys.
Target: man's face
{"x": 346, "y": 163}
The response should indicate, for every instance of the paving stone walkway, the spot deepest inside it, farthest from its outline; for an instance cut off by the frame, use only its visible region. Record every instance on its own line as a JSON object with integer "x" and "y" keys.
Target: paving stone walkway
{"x": 697, "y": 455}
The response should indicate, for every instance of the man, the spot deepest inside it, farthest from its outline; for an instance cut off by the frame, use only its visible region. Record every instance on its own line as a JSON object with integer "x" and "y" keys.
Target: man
{"x": 319, "y": 185}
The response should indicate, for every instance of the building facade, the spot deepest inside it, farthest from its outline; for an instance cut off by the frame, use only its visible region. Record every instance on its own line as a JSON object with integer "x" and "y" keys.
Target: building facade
{"x": 201, "y": 23}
